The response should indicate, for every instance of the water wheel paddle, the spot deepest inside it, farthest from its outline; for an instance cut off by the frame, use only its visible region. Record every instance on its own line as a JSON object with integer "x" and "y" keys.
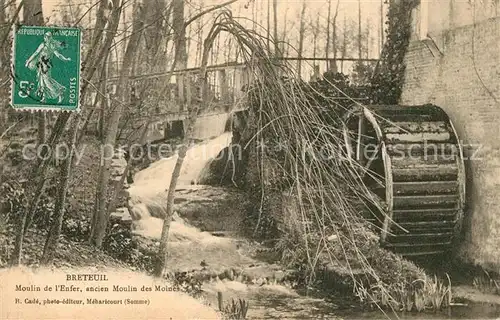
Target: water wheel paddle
{"x": 411, "y": 159}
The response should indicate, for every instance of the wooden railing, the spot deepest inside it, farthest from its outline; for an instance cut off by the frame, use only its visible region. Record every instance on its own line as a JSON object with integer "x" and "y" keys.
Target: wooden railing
{"x": 226, "y": 89}
{"x": 226, "y": 84}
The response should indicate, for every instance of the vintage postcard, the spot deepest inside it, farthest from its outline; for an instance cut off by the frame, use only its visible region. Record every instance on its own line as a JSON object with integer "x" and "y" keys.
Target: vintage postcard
{"x": 249, "y": 159}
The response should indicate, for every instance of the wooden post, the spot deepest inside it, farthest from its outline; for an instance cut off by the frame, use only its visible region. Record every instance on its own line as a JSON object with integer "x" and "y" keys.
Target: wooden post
{"x": 188, "y": 82}
{"x": 220, "y": 301}
{"x": 223, "y": 85}
{"x": 237, "y": 93}
{"x": 316, "y": 74}
{"x": 245, "y": 73}
{"x": 179, "y": 79}
{"x": 166, "y": 130}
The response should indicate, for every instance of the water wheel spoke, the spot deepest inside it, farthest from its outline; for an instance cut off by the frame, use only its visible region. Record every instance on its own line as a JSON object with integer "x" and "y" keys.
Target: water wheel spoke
{"x": 359, "y": 140}
{"x": 366, "y": 168}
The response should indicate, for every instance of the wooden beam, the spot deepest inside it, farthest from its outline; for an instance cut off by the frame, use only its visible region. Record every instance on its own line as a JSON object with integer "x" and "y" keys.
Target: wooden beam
{"x": 237, "y": 85}
{"x": 233, "y": 65}
{"x": 325, "y": 59}
{"x": 188, "y": 84}
{"x": 223, "y": 85}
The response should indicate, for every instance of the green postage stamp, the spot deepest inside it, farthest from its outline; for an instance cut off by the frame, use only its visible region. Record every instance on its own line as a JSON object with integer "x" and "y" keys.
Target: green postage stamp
{"x": 46, "y": 68}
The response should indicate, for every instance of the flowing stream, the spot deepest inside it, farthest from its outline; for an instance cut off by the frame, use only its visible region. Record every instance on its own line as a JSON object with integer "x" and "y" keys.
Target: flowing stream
{"x": 151, "y": 184}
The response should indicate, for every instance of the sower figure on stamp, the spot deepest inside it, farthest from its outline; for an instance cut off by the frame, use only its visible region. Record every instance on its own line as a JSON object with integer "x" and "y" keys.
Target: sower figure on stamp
{"x": 41, "y": 60}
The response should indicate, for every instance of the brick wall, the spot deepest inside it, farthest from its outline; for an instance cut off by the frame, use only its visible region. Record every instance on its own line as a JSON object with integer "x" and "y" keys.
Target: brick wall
{"x": 462, "y": 75}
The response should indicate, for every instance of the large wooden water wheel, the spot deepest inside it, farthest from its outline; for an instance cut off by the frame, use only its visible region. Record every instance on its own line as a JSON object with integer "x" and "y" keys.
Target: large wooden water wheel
{"x": 411, "y": 160}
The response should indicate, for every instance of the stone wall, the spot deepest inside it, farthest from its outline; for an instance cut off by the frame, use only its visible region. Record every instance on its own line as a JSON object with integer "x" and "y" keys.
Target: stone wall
{"x": 459, "y": 70}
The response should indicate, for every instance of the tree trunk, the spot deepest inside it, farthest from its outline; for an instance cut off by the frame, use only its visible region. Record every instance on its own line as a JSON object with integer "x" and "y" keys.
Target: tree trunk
{"x": 344, "y": 45}
{"x": 359, "y": 31}
{"x": 269, "y": 25}
{"x": 367, "y": 49}
{"x": 104, "y": 99}
{"x": 162, "y": 254}
{"x": 334, "y": 37}
{"x": 328, "y": 21}
{"x": 121, "y": 182}
{"x": 275, "y": 28}
{"x": 283, "y": 37}
{"x": 199, "y": 40}
{"x": 99, "y": 25}
{"x": 29, "y": 17}
{"x": 381, "y": 26}
{"x": 33, "y": 15}
{"x": 55, "y": 229}
{"x": 153, "y": 32}
{"x": 4, "y": 62}
{"x": 301, "y": 38}
{"x": 189, "y": 39}
{"x": 179, "y": 29}
{"x": 315, "y": 37}
{"x": 99, "y": 99}
{"x": 100, "y": 219}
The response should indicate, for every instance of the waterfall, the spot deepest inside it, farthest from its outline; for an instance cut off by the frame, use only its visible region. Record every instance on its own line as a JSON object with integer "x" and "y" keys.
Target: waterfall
{"x": 156, "y": 178}
{"x": 151, "y": 184}
{"x": 210, "y": 126}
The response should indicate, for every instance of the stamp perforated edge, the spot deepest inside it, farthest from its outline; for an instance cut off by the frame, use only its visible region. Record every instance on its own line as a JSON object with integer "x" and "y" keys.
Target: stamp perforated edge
{"x": 12, "y": 75}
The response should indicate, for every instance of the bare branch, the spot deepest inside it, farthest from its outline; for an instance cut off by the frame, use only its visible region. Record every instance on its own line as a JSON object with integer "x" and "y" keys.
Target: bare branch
{"x": 208, "y": 10}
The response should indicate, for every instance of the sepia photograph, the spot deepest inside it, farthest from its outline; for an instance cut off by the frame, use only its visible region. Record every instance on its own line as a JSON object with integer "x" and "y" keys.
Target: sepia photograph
{"x": 249, "y": 159}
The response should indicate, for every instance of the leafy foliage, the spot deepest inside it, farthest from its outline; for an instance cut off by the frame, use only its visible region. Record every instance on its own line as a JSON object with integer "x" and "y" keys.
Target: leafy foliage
{"x": 77, "y": 229}
{"x": 120, "y": 244}
{"x": 388, "y": 80}
{"x": 362, "y": 73}
{"x": 13, "y": 200}
{"x": 186, "y": 282}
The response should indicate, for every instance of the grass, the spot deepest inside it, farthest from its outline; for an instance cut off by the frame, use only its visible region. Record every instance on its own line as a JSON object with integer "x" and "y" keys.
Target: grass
{"x": 428, "y": 293}
{"x": 486, "y": 283}
{"x": 236, "y": 310}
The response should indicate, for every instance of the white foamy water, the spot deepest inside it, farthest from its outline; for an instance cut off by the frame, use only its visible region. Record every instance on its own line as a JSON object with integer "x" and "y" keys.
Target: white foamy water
{"x": 150, "y": 183}
{"x": 156, "y": 178}
{"x": 210, "y": 126}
